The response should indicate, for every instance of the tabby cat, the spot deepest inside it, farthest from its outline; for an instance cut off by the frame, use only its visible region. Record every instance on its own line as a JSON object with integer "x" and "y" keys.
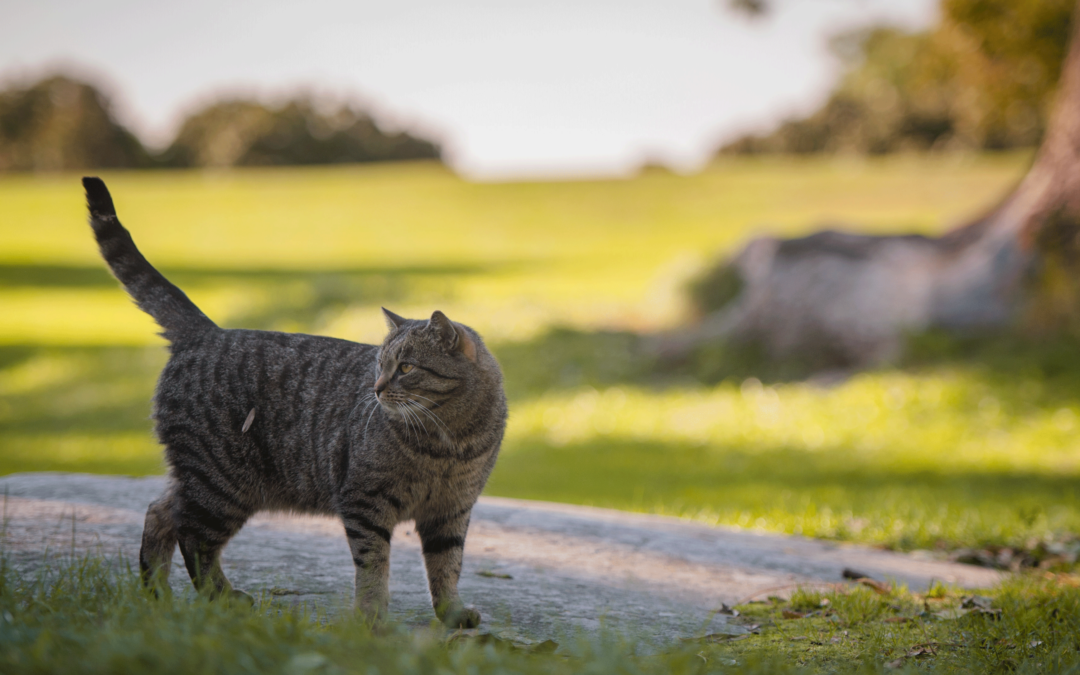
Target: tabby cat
{"x": 258, "y": 420}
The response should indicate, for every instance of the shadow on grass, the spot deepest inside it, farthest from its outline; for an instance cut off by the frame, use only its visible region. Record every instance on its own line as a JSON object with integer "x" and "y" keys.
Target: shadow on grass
{"x": 834, "y": 492}
{"x": 109, "y": 388}
{"x": 293, "y": 298}
{"x": 1018, "y": 371}
{"x": 564, "y": 358}
{"x": 79, "y": 389}
{"x": 14, "y": 275}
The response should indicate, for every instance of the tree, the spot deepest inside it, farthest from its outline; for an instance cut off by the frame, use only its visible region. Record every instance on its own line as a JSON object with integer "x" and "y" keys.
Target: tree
{"x": 62, "y": 124}
{"x": 982, "y": 78}
{"x": 248, "y": 133}
{"x": 842, "y": 299}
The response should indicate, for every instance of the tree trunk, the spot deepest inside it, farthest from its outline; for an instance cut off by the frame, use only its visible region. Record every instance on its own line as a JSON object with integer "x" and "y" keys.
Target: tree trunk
{"x": 844, "y": 299}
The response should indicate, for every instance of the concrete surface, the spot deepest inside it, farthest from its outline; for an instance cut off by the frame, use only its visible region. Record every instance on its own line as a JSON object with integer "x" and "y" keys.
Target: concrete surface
{"x": 535, "y": 570}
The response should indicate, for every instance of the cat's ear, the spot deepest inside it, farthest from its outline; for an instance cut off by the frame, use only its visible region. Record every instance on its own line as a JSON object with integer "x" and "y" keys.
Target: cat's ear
{"x": 453, "y": 335}
{"x": 393, "y": 321}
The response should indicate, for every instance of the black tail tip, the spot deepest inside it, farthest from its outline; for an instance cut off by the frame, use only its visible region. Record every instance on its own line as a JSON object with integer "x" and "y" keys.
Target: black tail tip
{"x": 98, "y": 199}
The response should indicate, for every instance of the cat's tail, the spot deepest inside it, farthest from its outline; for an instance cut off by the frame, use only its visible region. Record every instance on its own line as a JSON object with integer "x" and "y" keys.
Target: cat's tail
{"x": 153, "y": 293}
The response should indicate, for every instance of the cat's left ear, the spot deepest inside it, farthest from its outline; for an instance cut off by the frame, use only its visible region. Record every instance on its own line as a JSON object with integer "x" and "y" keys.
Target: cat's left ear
{"x": 453, "y": 335}
{"x": 393, "y": 321}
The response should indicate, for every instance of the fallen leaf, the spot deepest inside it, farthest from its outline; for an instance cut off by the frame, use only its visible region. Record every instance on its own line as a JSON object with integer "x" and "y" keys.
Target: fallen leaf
{"x": 879, "y": 587}
{"x": 898, "y": 619}
{"x": 717, "y": 637}
{"x": 545, "y": 647}
{"x": 976, "y": 601}
{"x": 283, "y": 591}
{"x": 791, "y": 614}
{"x": 926, "y": 649}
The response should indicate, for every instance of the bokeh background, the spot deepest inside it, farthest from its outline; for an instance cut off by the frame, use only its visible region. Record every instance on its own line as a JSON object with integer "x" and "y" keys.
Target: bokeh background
{"x": 556, "y": 175}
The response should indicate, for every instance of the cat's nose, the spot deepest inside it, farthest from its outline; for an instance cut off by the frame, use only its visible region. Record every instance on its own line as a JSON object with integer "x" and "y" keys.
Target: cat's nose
{"x": 381, "y": 383}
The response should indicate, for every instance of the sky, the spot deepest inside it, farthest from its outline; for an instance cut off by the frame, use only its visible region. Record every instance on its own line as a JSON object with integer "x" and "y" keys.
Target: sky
{"x": 511, "y": 88}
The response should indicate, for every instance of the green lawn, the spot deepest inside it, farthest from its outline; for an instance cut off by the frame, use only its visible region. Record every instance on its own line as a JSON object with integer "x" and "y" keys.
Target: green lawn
{"x": 83, "y": 618}
{"x": 968, "y": 446}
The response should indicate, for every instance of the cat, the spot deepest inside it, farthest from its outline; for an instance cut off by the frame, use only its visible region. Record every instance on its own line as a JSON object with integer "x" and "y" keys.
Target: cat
{"x": 258, "y": 420}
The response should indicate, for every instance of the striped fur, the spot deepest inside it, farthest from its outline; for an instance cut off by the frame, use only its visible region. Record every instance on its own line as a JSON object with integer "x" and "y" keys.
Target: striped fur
{"x": 256, "y": 420}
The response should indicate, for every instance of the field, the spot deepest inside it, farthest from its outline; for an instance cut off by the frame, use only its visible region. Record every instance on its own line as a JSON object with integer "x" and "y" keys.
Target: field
{"x": 967, "y": 446}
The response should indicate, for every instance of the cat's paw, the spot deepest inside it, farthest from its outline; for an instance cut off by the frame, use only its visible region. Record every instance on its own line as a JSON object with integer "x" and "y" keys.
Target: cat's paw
{"x": 460, "y": 616}
{"x": 374, "y": 612}
{"x": 240, "y": 597}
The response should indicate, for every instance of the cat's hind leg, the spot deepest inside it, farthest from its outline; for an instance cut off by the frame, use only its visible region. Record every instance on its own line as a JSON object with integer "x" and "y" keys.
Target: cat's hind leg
{"x": 443, "y": 542}
{"x": 207, "y": 518}
{"x": 158, "y": 542}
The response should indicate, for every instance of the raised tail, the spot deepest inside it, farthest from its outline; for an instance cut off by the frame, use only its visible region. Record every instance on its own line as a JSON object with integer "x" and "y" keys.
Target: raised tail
{"x": 153, "y": 293}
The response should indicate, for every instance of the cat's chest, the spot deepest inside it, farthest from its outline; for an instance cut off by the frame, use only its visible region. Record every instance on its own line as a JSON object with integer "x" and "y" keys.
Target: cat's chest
{"x": 438, "y": 487}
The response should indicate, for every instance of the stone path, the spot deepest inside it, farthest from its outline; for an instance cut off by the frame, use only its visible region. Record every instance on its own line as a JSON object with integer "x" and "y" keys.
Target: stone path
{"x": 535, "y": 570}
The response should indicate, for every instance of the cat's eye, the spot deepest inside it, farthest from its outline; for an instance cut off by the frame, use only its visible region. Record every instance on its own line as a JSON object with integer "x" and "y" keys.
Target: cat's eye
{"x": 405, "y": 367}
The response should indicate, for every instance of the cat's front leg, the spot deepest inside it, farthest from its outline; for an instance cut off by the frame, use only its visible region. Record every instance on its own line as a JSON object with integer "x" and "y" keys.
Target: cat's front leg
{"x": 443, "y": 542}
{"x": 369, "y": 544}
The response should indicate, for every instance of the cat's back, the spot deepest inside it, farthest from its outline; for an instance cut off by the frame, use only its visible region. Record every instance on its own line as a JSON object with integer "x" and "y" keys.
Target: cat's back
{"x": 297, "y": 385}
{"x": 232, "y": 363}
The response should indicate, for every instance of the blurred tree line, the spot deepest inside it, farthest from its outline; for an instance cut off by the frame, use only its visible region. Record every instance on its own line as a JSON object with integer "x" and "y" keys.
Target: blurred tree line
{"x": 982, "y": 79}
{"x": 60, "y": 123}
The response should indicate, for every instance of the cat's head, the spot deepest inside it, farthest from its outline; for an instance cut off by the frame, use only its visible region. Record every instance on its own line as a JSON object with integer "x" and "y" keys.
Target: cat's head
{"x": 438, "y": 365}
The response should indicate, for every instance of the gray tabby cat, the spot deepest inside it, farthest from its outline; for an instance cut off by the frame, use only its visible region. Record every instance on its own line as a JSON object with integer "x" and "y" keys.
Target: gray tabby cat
{"x": 256, "y": 420}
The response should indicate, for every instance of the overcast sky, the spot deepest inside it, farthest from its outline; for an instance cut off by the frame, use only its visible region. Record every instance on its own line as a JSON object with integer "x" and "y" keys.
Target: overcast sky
{"x": 512, "y": 88}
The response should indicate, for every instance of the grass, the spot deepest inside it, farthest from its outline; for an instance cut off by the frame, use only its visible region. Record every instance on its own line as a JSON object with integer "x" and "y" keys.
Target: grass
{"x": 968, "y": 446}
{"x": 973, "y": 445}
{"x": 83, "y": 616}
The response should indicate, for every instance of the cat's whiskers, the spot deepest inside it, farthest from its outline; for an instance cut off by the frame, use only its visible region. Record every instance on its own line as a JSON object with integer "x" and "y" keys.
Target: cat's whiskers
{"x": 372, "y": 405}
{"x": 403, "y": 414}
{"x": 370, "y": 395}
{"x": 371, "y": 414}
{"x": 406, "y": 408}
{"x": 415, "y": 417}
{"x": 428, "y": 411}
{"x": 430, "y": 414}
{"x": 434, "y": 404}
